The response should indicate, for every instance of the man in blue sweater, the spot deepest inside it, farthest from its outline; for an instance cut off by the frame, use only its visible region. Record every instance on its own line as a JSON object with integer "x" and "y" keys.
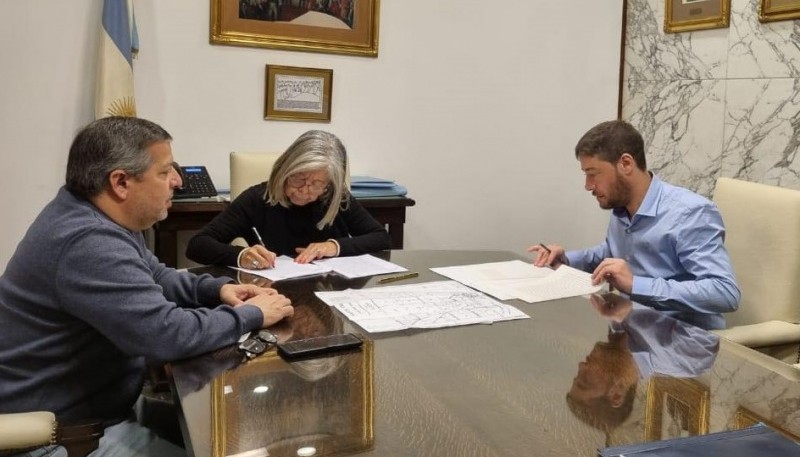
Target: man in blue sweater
{"x": 83, "y": 303}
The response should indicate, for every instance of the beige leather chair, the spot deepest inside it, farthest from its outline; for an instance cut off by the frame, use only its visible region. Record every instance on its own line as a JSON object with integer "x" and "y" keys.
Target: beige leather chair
{"x": 22, "y": 431}
{"x": 250, "y": 168}
{"x": 762, "y": 225}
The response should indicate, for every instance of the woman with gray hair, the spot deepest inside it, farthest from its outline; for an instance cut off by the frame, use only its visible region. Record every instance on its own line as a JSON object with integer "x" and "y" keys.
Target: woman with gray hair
{"x": 304, "y": 210}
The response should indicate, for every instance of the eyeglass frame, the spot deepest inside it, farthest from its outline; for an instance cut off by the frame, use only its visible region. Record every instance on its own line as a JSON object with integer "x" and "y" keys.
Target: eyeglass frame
{"x": 312, "y": 186}
{"x": 258, "y": 343}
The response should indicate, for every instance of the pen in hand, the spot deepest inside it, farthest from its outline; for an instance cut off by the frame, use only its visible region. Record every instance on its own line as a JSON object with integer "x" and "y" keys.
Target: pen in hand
{"x": 258, "y": 237}
{"x": 540, "y": 244}
{"x": 270, "y": 257}
{"x": 545, "y": 260}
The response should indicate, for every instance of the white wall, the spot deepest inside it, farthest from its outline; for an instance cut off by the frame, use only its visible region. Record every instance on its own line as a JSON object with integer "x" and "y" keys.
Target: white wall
{"x": 474, "y": 106}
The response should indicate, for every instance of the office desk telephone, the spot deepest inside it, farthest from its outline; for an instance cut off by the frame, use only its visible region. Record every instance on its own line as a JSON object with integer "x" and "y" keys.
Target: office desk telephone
{"x": 196, "y": 183}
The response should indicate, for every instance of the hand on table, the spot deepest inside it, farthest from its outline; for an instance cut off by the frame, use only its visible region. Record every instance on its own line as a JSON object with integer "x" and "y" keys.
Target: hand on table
{"x": 616, "y": 273}
{"x": 315, "y": 251}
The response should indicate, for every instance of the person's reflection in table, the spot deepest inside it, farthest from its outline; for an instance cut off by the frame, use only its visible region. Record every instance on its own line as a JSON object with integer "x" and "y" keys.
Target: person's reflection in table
{"x": 641, "y": 341}
{"x": 318, "y": 402}
{"x": 659, "y": 344}
{"x": 312, "y": 317}
{"x": 604, "y": 388}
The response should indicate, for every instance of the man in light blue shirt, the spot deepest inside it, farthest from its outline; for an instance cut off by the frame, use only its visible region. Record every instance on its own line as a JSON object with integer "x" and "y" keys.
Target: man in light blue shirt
{"x": 664, "y": 245}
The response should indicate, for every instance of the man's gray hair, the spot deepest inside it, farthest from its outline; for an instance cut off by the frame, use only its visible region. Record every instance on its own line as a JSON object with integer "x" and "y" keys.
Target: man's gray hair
{"x": 108, "y": 144}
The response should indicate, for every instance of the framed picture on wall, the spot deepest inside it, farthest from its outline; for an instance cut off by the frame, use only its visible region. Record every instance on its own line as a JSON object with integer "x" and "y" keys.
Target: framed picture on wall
{"x": 778, "y": 10}
{"x": 332, "y": 26}
{"x": 298, "y": 94}
{"x": 689, "y": 15}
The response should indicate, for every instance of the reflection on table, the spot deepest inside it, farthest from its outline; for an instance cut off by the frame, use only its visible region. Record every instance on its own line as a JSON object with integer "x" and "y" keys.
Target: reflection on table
{"x": 499, "y": 389}
{"x": 269, "y": 407}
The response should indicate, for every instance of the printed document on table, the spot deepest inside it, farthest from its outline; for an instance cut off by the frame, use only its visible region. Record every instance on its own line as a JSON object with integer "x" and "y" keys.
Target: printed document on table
{"x": 518, "y": 279}
{"x": 425, "y": 305}
{"x": 349, "y": 267}
{"x": 360, "y": 266}
{"x": 286, "y": 268}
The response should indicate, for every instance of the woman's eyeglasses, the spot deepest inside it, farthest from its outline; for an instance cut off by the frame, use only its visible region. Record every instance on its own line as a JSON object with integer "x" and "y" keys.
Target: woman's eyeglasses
{"x": 298, "y": 182}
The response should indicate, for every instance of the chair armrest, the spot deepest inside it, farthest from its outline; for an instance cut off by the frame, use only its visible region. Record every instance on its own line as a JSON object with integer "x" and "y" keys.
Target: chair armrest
{"x": 769, "y": 333}
{"x": 27, "y": 430}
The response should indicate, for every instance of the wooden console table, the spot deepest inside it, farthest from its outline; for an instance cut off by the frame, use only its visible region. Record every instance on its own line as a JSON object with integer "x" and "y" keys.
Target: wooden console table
{"x": 193, "y": 215}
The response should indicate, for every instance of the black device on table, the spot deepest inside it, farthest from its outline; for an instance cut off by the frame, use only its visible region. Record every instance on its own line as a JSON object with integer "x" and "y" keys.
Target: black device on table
{"x": 196, "y": 182}
{"x": 318, "y": 345}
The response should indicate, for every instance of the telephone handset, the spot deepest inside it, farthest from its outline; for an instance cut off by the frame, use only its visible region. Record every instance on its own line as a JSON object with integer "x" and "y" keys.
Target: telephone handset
{"x": 196, "y": 182}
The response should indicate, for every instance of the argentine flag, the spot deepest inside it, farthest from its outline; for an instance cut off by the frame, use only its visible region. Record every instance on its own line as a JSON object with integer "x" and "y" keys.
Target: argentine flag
{"x": 119, "y": 43}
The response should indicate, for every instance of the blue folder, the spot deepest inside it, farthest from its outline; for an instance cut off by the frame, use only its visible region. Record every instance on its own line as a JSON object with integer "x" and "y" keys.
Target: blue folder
{"x": 758, "y": 440}
{"x": 370, "y": 182}
{"x": 371, "y": 192}
{"x": 372, "y": 187}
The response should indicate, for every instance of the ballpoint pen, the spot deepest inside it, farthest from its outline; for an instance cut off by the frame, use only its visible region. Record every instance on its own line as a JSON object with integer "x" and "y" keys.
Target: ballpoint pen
{"x": 540, "y": 244}
{"x": 258, "y": 237}
{"x": 413, "y": 274}
{"x": 261, "y": 242}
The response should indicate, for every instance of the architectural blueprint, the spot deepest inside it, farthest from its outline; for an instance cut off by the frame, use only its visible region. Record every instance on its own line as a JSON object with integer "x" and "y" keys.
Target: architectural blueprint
{"x": 425, "y": 305}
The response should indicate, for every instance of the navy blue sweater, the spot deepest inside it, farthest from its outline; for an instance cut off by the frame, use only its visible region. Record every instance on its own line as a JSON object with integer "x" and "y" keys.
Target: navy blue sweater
{"x": 83, "y": 304}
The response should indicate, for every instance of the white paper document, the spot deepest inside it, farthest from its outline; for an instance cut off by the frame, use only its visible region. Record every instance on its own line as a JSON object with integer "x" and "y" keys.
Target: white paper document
{"x": 360, "y": 266}
{"x": 521, "y": 280}
{"x": 426, "y": 305}
{"x": 349, "y": 267}
{"x": 286, "y": 268}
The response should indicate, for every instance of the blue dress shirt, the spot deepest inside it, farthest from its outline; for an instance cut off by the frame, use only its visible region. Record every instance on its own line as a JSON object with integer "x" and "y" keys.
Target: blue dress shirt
{"x": 674, "y": 247}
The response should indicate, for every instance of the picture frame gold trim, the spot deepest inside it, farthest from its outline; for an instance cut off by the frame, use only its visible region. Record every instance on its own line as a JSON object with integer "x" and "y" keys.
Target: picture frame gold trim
{"x": 298, "y": 93}
{"x": 228, "y": 28}
{"x": 349, "y": 389}
{"x": 745, "y": 418}
{"x": 676, "y": 396}
{"x": 778, "y": 10}
{"x": 690, "y": 15}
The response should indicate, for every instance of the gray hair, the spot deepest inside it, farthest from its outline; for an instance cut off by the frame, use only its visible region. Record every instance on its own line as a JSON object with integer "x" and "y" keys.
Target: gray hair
{"x": 109, "y": 144}
{"x": 312, "y": 151}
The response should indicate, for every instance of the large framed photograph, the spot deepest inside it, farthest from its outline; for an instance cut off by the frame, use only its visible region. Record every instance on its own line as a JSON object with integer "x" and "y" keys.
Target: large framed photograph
{"x": 331, "y": 26}
{"x": 319, "y": 406}
{"x": 298, "y": 94}
{"x": 688, "y": 15}
{"x": 676, "y": 408}
{"x": 778, "y": 10}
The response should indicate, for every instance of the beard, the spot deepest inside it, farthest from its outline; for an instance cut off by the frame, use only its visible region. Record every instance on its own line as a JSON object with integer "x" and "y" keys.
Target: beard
{"x": 618, "y": 196}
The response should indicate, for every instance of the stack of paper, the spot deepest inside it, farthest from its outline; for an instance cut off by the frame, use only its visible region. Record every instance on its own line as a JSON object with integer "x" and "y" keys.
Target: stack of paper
{"x": 349, "y": 267}
{"x": 521, "y": 280}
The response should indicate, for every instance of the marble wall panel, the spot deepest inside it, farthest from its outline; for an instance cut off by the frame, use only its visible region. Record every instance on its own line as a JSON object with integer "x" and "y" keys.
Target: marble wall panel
{"x": 722, "y": 102}
{"x": 761, "y": 50}
{"x": 654, "y": 55}
{"x": 682, "y": 126}
{"x": 762, "y": 131}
